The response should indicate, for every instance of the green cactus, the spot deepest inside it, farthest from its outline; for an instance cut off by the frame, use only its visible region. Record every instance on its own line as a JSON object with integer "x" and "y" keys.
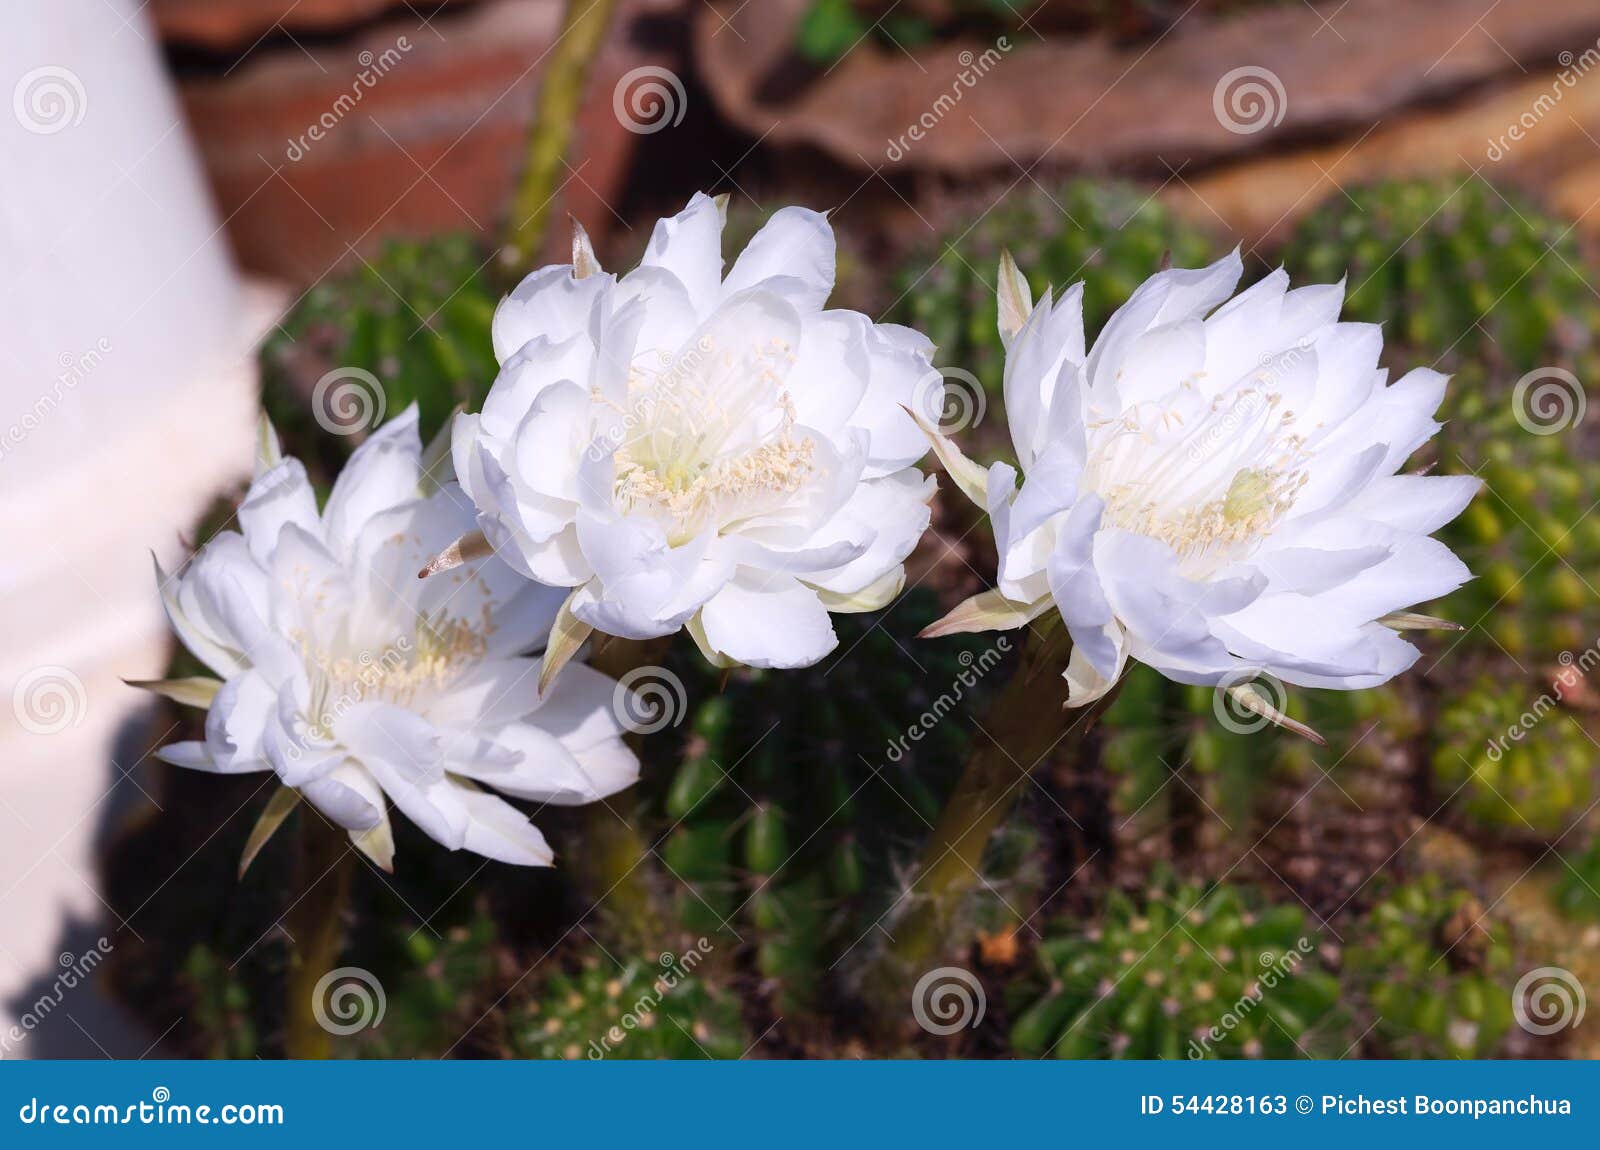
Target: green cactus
{"x": 223, "y": 1006}
{"x": 1431, "y": 973}
{"x": 416, "y": 316}
{"x": 1110, "y": 236}
{"x": 1454, "y": 268}
{"x": 666, "y": 1008}
{"x": 1191, "y": 973}
{"x": 1527, "y": 537}
{"x": 1513, "y": 760}
{"x": 1577, "y": 884}
{"x": 796, "y": 795}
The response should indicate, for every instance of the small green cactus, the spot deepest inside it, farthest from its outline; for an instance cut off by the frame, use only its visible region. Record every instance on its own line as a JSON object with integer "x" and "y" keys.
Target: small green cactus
{"x": 416, "y": 316}
{"x": 1192, "y": 973}
{"x": 666, "y": 1008}
{"x": 1456, "y": 268}
{"x": 1515, "y": 762}
{"x": 1433, "y": 976}
{"x": 1527, "y": 537}
{"x": 1577, "y": 884}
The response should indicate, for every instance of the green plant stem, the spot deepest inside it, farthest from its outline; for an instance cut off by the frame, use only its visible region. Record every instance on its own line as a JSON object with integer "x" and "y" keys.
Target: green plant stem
{"x": 612, "y": 861}
{"x": 560, "y": 94}
{"x": 1023, "y": 726}
{"x": 316, "y": 929}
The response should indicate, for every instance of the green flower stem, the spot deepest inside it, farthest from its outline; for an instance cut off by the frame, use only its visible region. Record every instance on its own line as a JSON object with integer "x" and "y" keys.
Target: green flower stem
{"x": 316, "y": 929}
{"x": 612, "y": 861}
{"x": 1023, "y": 726}
{"x": 560, "y": 93}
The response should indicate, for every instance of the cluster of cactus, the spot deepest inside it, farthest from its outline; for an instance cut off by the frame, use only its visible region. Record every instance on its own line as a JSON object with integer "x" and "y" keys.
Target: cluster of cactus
{"x": 1227, "y": 761}
{"x": 1516, "y": 762}
{"x": 647, "y": 1008}
{"x": 802, "y": 791}
{"x": 1456, "y": 268}
{"x": 1527, "y": 537}
{"x": 1191, "y": 973}
{"x": 416, "y": 316}
{"x": 1110, "y": 236}
{"x": 441, "y": 985}
{"x": 1424, "y": 962}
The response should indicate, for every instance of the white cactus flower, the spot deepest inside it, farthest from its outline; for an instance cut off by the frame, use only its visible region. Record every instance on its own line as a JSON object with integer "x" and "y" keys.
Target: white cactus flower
{"x": 684, "y": 448}
{"x": 360, "y": 685}
{"x": 1212, "y": 489}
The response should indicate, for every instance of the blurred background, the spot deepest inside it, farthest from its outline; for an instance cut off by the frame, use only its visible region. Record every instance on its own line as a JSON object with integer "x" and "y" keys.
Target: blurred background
{"x": 214, "y": 204}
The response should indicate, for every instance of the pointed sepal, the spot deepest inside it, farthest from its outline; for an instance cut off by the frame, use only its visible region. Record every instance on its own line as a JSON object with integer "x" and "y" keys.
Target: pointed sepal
{"x": 985, "y": 611}
{"x": 196, "y": 691}
{"x": 1015, "y": 298}
{"x": 567, "y": 634}
{"x": 470, "y": 546}
{"x": 1247, "y": 697}
{"x": 283, "y": 800}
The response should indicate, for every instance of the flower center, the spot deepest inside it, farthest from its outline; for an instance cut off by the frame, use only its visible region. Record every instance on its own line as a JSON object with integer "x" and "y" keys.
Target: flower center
{"x": 1211, "y": 479}
{"x": 407, "y": 672}
{"x": 710, "y": 438}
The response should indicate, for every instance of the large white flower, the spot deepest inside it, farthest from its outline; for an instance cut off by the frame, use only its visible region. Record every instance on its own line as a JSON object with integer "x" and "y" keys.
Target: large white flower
{"x": 356, "y": 682}
{"x": 1212, "y": 488}
{"x": 684, "y": 448}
